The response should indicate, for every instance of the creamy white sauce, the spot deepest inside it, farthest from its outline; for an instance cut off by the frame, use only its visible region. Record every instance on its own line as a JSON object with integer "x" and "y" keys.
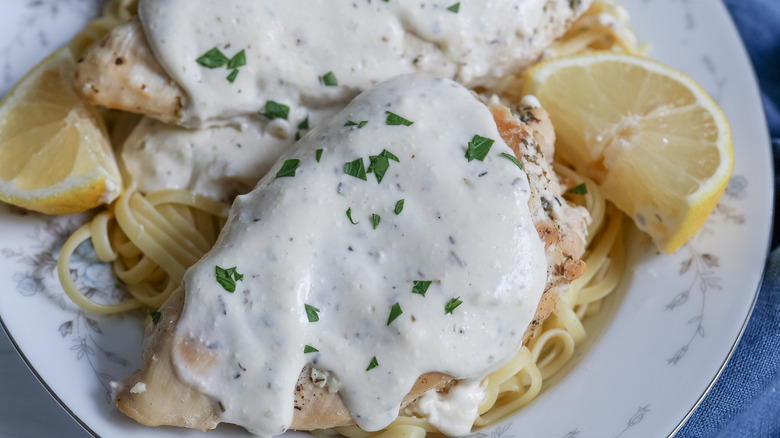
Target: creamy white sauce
{"x": 290, "y": 45}
{"x": 453, "y": 412}
{"x": 219, "y": 162}
{"x": 465, "y": 226}
{"x": 138, "y": 388}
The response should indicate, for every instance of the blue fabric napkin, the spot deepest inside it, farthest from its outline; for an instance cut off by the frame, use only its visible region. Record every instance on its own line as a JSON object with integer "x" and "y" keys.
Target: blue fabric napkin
{"x": 745, "y": 401}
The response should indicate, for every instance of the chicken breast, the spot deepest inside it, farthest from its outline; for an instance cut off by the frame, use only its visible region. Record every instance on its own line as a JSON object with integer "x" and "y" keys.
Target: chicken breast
{"x": 158, "y": 395}
{"x": 121, "y": 72}
{"x": 150, "y": 66}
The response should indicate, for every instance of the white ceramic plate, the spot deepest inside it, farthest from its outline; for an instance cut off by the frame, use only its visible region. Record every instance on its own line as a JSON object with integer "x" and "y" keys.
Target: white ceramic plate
{"x": 662, "y": 340}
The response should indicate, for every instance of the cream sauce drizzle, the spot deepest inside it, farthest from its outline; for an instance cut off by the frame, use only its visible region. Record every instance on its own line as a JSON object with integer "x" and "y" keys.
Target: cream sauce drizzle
{"x": 466, "y": 226}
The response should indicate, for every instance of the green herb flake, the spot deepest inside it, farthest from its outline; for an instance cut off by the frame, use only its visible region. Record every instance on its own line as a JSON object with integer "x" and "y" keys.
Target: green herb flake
{"x": 276, "y": 110}
{"x": 395, "y": 119}
{"x": 155, "y": 315}
{"x": 232, "y": 76}
{"x": 318, "y": 155}
{"x": 304, "y": 124}
{"x": 375, "y": 218}
{"x": 309, "y": 349}
{"x": 454, "y": 8}
{"x": 421, "y": 287}
{"x": 580, "y": 189}
{"x": 380, "y": 163}
{"x": 373, "y": 364}
{"x": 356, "y": 169}
{"x": 288, "y": 168}
{"x": 311, "y": 313}
{"x": 227, "y": 278}
{"x": 378, "y": 167}
{"x": 395, "y": 312}
{"x": 452, "y": 305}
{"x": 349, "y": 216}
{"x": 389, "y": 156}
{"x": 399, "y": 207}
{"x": 329, "y": 80}
{"x": 238, "y": 60}
{"x": 512, "y": 158}
{"x": 478, "y": 148}
{"x": 359, "y": 124}
{"x": 212, "y": 59}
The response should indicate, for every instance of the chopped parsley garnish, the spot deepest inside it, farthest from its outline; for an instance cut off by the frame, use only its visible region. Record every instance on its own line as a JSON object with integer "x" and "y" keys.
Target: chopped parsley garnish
{"x": 395, "y": 312}
{"x": 420, "y": 287}
{"x": 318, "y": 155}
{"x": 311, "y": 313}
{"x": 288, "y": 168}
{"x": 227, "y": 278}
{"x": 454, "y": 8}
{"x": 399, "y": 206}
{"x": 478, "y": 148}
{"x": 329, "y": 79}
{"x": 238, "y": 60}
{"x": 232, "y": 76}
{"x": 214, "y": 58}
{"x": 356, "y": 169}
{"x": 375, "y": 218}
{"x": 395, "y": 119}
{"x": 309, "y": 349}
{"x": 303, "y": 125}
{"x": 373, "y": 364}
{"x": 378, "y": 166}
{"x": 389, "y": 155}
{"x": 349, "y": 216}
{"x": 276, "y": 110}
{"x": 580, "y": 189}
{"x": 155, "y": 315}
{"x": 359, "y": 124}
{"x": 512, "y": 158}
{"x": 452, "y": 305}
{"x": 380, "y": 163}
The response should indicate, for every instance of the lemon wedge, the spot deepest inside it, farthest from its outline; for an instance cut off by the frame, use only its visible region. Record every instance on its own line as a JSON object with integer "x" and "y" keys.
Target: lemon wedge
{"x": 650, "y": 136}
{"x": 55, "y": 156}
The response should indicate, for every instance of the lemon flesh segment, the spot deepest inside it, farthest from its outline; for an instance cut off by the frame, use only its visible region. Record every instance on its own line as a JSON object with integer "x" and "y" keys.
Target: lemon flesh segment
{"x": 650, "y": 136}
{"x": 55, "y": 155}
